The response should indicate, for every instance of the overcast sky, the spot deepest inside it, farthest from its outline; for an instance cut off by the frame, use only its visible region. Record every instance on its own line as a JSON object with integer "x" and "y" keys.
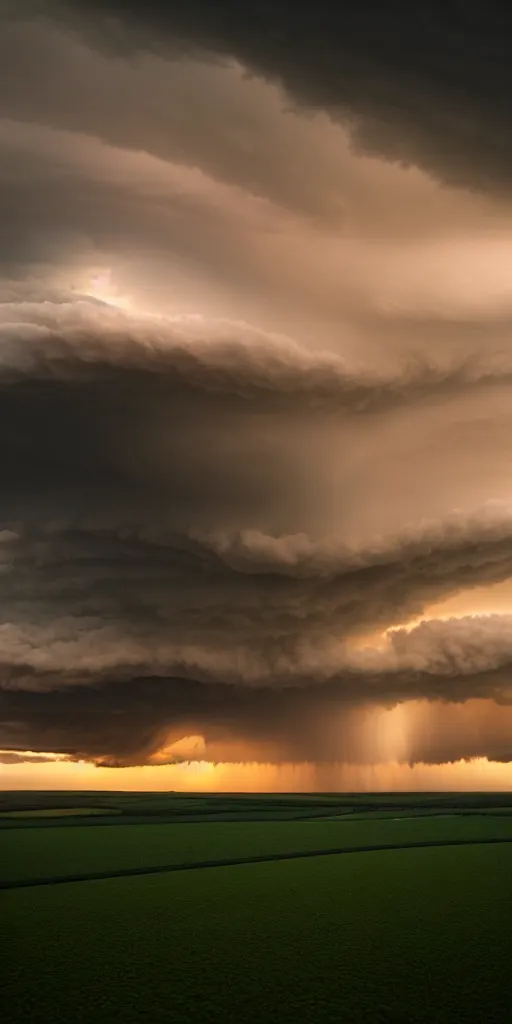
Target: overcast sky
{"x": 256, "y": 371}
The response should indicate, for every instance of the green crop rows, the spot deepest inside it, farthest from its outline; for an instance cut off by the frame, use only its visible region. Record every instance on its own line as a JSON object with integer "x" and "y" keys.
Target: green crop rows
{"x": 53, "y": 852}
{"x": 409, "y": 937}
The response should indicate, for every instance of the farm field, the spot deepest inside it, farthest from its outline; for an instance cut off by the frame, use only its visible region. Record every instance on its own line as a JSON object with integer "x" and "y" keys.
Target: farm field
{"x": 59, "y": 812}
{"x": 46, "y": 807}
{"x": 393, "y": 937}
{"x": 47, "y": 853}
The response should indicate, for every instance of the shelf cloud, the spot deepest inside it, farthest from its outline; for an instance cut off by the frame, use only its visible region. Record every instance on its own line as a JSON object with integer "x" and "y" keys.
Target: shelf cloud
{"x": 255, "y": 382}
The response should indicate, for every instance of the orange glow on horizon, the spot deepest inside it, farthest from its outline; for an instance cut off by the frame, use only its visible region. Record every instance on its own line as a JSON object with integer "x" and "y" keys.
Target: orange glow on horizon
{"x": 205, "y": 776}
{"x": 392, "y": 752}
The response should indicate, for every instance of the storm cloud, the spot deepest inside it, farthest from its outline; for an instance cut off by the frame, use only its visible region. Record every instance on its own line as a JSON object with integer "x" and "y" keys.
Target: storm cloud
{"x": 152, "y": 585}
{"x": 255, "y": 382}
{"x": 428, "y": 86}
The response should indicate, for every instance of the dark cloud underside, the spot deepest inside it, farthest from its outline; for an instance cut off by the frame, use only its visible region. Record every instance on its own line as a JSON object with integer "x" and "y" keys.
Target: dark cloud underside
{"x": 427, "y": 84}
{"x": 154, "y": 584}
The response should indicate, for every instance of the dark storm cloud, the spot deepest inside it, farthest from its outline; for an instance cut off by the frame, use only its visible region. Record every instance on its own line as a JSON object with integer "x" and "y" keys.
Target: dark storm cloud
{"x": 195, "y": 186}
{"x": 155, "y": 581}
{"x": 83, "y": 339}
{"x": 10, "y": 757}
{"x": 202, "y": 524}
{"x": 427, "y": 84}
{"x": 66, "y": 197}
{"x": 170, "y": 109}
{"x": 130, "y": 721}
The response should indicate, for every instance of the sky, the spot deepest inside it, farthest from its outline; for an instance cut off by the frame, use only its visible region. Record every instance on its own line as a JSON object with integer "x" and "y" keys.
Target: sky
{"x": 255, "y": 416}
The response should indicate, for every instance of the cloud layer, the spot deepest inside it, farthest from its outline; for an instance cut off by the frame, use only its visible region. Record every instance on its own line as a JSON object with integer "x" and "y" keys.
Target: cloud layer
{"x": 255, "y": 376}
{"x": 430, "y": 87}
{"x": 153, "y": 584}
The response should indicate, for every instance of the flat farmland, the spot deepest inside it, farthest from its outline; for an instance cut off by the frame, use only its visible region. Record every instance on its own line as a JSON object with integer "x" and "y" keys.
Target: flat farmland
{"x": 46, "y": 853}
{"x": 58, "y": 812}
{"x": 391, "y": 937}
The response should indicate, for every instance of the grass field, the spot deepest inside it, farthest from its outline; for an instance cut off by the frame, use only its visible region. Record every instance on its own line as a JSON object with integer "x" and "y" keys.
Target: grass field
{"x": 161, "y": 807}
{"x": 392, "y": 937}
{"x": 46, "y": 853}
{"x": 59, "y": 812}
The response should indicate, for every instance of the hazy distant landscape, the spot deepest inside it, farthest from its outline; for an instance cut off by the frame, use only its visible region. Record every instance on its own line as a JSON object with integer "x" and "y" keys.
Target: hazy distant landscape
{"x": 342, "y": 907}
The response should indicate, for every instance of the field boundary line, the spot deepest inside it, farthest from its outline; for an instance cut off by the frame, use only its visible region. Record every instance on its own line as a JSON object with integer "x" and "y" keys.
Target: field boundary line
{"x": 96, "y": 876}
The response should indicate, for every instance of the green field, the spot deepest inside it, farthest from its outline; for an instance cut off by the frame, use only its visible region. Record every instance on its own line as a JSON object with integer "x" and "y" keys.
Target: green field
{"x": 59, "y": 812}
{"x": 53, "y": 852}
{"x": 396, "y": 937}
{"x": 392, "y": 937}
{"x": 132, "y": 808}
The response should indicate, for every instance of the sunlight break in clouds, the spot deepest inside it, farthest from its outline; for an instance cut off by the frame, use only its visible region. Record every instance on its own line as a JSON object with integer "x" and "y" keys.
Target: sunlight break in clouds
{"x": 100, "y": 287}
